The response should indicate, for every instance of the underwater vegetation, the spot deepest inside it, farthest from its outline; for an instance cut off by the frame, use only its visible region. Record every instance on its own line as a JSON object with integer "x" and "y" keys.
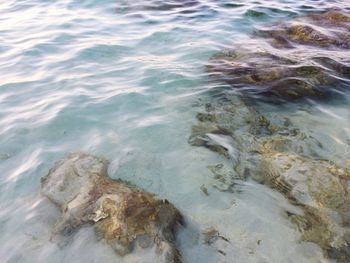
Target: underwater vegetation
{"x": 121, "y": 214}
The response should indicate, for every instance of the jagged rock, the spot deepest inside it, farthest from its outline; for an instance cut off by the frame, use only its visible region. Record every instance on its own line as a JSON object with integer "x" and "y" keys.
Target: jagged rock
{"x": 122, "y": 214}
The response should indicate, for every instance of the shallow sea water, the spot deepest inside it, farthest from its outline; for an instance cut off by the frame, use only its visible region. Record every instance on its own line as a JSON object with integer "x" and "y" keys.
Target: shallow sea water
{"x": 124, "y": 79}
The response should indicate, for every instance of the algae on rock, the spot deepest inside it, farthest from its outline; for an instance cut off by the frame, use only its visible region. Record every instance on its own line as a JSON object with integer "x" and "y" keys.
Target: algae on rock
{"x": 122, "y": 214}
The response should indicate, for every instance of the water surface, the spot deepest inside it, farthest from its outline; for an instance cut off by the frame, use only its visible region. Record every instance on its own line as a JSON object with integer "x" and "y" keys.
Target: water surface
{"x": 125, "y": 79}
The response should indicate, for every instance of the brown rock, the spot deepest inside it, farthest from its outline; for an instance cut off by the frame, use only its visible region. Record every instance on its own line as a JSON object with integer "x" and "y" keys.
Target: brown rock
{"x": 80, "y": 186}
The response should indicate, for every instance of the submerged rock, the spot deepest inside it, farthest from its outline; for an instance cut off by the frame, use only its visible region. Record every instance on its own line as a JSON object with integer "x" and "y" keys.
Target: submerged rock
{"x": 308, "y": 59}
{"x": 288, "y": 35}
{"x": 122, "y": 214}
{"x": 270, "y": 75}
{"x": 316, "y": 183}
{"x": 327, "y": 30}
{"x": 273, "y": 151}
{"x": 332, "y": 18}
{"x": 321, "y": 188}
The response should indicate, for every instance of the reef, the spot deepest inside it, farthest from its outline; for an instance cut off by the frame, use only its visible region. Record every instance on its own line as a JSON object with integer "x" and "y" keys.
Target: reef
{"x": 302, "y": 58}
{"x": 123, "y": 215}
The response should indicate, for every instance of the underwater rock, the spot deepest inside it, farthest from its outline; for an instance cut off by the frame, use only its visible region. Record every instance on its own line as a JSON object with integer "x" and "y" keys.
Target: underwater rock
{"x": 316, "y": 183}
{"x": 273, "y": 151}
{"x": 327, "y": 30}
{"x": 263, "y": 73}
{"x": 340, "y": 67}
{"x": 321, "y": 188}
{"x": 121, "y": 214}
{"x": 307, "y": 61}
{"x": 310, "y": 61}
{"x": 332, "y": 18}
{"x": 288, "y": 35}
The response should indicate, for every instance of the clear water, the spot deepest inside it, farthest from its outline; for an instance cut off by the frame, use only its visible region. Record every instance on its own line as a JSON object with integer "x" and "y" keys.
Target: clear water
{"x": 122, "y": 79}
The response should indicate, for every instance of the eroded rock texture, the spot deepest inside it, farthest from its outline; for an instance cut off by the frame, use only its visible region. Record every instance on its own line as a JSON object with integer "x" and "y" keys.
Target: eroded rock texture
{"x": 121, "y": 214}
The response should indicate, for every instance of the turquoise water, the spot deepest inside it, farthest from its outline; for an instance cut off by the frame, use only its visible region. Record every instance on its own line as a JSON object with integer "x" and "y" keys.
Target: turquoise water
{"x": 124, "y": 79}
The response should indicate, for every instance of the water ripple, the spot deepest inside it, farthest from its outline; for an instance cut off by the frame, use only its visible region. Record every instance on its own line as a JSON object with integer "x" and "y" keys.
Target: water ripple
{"x": 125, "y": 79}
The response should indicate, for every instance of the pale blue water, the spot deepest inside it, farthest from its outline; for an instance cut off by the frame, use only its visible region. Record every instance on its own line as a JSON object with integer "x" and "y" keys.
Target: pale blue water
{"x": 121, "y": 78}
